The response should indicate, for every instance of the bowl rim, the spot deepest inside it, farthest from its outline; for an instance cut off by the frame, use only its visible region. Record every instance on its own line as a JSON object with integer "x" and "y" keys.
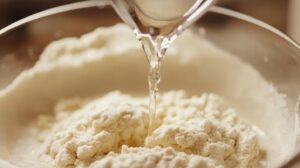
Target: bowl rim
{"x": 103, "y": 3}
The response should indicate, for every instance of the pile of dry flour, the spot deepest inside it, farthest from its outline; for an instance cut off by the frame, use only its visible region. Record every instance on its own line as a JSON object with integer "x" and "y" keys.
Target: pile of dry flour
{"x": 110, "y": 131}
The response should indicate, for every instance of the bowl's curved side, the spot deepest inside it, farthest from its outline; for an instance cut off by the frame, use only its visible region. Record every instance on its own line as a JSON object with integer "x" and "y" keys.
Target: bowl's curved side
{"x": 55, "y": 10}
{"x": 286, "y": 40}
{"x": 254, "y": 21}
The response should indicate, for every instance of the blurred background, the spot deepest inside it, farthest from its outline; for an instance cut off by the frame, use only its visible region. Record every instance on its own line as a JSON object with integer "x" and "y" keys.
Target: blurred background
{"x": 282, "y": 14}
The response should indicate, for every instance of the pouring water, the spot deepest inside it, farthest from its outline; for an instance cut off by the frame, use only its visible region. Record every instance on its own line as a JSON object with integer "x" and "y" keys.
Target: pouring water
{"x": 157, "y": 24}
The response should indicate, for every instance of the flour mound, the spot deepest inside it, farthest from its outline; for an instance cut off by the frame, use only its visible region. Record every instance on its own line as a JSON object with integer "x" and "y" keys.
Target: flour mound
{"x": 111, "y": 131}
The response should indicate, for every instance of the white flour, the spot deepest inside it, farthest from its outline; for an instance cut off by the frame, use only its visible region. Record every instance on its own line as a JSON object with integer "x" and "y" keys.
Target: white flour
{"x": 192, "y": 128}
{"x": 190, "y": 131}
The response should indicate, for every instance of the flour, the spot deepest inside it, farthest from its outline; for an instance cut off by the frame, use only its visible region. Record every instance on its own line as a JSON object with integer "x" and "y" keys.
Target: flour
{"x": 137, "y": 157}
{"x": 111, "y": 131}
{"x": 96, "y": 128}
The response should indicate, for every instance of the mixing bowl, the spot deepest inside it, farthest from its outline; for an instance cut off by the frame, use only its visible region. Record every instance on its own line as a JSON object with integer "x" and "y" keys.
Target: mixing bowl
{"x": 274, "y": 55}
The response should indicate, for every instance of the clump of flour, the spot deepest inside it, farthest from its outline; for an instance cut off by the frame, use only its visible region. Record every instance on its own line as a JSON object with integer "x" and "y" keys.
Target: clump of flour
{"x": 111, "y": 131}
